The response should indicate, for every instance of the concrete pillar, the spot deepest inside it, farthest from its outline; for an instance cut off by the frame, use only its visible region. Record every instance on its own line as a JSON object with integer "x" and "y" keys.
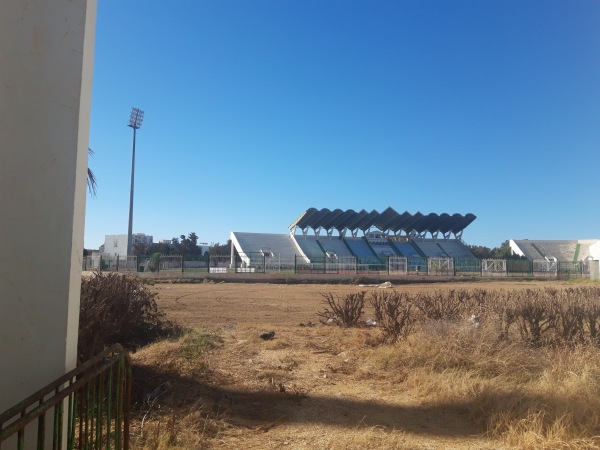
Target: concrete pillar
{"x": 46, "y": 59}
{"x": 594, "y": 266}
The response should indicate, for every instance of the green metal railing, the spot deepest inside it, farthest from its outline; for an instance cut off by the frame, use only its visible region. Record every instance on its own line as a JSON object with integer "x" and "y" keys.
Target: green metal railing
{"x": 96, "y": 396}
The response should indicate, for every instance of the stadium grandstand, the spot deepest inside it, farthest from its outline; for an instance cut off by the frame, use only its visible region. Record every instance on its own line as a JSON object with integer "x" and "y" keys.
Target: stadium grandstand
{"x": 574, "y": 251}
{"x": 386, "y": 244}
{"x": 364, "y": 239}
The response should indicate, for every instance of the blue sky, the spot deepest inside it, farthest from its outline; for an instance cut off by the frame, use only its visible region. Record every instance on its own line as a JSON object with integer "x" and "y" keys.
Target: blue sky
{"x": 258, "y": 110}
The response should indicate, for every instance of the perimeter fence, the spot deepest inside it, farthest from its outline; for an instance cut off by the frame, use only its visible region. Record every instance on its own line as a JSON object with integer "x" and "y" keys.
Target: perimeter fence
{"x": 261, "y": 263}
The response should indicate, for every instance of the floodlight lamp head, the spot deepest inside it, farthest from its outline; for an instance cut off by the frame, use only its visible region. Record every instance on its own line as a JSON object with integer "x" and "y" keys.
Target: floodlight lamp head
{"x": 136, "y": 118}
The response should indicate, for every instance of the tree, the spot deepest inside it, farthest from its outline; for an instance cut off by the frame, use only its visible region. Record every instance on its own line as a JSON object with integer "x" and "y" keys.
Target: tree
{"x": 189, "y": 245}
{"x": 154, "y": 262}
{"x": 140, "y": 249}
{"x": 503, "y": 252}
{"x": 480, "y": 252}
{"x": 159, "y": 247}
{"x": 218, "y": 249}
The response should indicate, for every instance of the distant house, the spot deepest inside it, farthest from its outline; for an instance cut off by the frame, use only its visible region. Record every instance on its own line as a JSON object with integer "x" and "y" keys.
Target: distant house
{"x": 116, "y": 244}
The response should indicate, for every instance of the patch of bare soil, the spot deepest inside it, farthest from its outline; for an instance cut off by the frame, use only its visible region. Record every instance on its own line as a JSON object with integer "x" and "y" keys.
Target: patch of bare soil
{"x": 308, "y": 387}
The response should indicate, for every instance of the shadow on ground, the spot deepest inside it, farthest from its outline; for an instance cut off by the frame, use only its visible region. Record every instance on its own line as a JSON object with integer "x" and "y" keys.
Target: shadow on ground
{"x": 268, "y": 408}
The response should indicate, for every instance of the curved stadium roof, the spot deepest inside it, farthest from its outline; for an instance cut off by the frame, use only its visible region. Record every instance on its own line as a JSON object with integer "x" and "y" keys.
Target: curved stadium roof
{"x": 388, "y": 220}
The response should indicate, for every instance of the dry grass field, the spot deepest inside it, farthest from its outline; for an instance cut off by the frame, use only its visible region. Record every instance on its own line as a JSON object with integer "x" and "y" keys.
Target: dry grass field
{"x": 316, "y": 386}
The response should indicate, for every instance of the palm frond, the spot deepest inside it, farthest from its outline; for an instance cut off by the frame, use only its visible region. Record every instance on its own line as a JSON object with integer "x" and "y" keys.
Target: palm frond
{"x": 92, "y": 182}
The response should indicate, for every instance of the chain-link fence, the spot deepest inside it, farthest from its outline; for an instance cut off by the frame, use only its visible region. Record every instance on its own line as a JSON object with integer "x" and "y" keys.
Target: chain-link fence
{"x": 331, "y": 265}
{"x": 260, "y": 262}
{"x": 467, "y": 266}
{"x": 109, "y": 263}
{"x": 573, "y": 269}
{"x": 519, "y": 267}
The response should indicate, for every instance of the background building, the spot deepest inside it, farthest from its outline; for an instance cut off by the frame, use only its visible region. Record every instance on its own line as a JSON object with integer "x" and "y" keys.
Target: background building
{"x": 116, "y": 244}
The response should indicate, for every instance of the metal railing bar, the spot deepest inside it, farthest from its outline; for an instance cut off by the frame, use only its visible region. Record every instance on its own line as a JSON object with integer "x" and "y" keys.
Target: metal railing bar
{"x": 118, "y": 410}
{"x": 101, "y": 362}
{"x": 99, "y": 404}
{"x": 21, "y": 436}
{"x": 126, "y": 405}
{"x": 57, "y": 432}
{"x": 109, "y": 403}
{"x": 41, "y": 432}
{"x": 71, "y": 424}
{"x": 115, "y": 351}
{"x": 53, "y": 401}
{"x": 84, "y": 417}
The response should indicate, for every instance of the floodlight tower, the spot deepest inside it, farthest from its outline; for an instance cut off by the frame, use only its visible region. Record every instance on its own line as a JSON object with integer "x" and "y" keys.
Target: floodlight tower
{"x": 135, "y": 122}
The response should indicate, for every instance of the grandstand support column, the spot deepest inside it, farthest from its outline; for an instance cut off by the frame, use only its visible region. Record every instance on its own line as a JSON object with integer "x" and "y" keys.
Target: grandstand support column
{"x": 46, "y": 49}
{"x": 594, "y": 269}
{"x": 232, "y": 258}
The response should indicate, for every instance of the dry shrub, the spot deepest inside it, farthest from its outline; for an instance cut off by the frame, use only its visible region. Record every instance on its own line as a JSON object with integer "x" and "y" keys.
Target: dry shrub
{"x": 530, "y": 396}
{"x": 194, "y": 427}
{"x": 119, "y": 309}
{"x": 536, "y": 315}
{"x": 539, "y": 317}
{"x": 557, "y": 408}
{"x": 362, "y": 437}
{"x": 346, "y": 311}
{"x": 548, "y": 316}
{"x": 168, "y": 379}
{"x": 444, "y": 305}
{"x": 393, "y": 314}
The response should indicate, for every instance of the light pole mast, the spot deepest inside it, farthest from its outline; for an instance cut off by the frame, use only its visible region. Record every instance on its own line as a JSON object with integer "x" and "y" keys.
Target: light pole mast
{"x": 135, "y": 122}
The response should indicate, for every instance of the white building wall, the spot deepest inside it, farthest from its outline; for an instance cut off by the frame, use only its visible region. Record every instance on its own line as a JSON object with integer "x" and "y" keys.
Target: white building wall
{"x": 595, "y": 250}
{"x": 514, "y": 248}
{"x": 46, "y": 58}
{"x": 116, "y": 244}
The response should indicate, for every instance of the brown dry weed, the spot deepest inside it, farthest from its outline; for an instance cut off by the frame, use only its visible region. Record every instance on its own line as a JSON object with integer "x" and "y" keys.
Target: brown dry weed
{"x": 448, "y": 385}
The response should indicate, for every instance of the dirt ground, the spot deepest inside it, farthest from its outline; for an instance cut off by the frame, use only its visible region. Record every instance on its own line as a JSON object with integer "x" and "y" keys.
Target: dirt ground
{"x": 265, "y": 305}
{"x": 310, "y": 387}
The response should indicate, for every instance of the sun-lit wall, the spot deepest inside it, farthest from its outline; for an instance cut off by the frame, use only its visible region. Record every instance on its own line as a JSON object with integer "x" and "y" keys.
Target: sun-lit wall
{"x": 46, "y": 52}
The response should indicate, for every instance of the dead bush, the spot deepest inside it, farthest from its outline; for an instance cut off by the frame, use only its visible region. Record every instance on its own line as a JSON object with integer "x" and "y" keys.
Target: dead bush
{"x": 393, "y": 314}
{"x": 345, "y": 311}
{"x": 444, "y": 305}
{"x": 535, "y": 317}
{"x": 119, "y": 309}
{"x": 590, "y": 299}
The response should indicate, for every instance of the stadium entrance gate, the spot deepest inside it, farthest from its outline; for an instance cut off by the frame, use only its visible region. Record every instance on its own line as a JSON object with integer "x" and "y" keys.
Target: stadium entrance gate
{"x": 493, "y": 267}
{"x": 397, "y": 265}
{"x": 543, "y": 267}
{"x": 440, "y": 266}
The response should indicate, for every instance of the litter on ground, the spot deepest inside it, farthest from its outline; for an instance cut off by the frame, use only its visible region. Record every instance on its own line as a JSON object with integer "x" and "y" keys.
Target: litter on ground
{"x": 385, "y": 285}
